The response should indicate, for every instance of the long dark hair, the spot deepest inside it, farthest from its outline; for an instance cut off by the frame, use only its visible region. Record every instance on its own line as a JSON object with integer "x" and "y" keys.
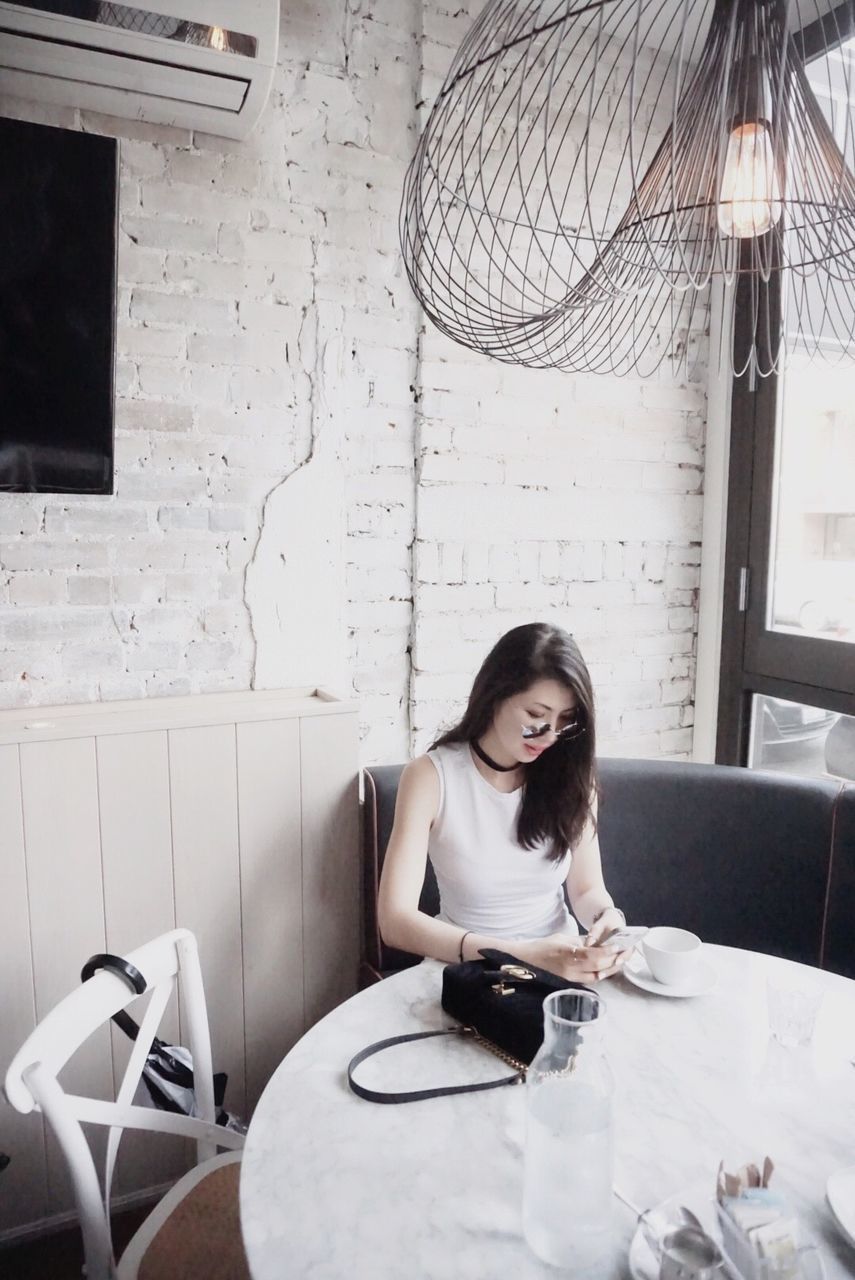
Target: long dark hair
{"x": 559, "y": 785}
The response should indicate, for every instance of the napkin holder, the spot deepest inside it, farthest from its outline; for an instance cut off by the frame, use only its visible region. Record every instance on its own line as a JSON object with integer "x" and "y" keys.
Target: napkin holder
{"x": 759, "y": 1232}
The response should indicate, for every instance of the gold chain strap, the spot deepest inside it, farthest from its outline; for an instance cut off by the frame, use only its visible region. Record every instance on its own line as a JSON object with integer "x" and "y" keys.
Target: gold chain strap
{"x": 522, "y": 1067}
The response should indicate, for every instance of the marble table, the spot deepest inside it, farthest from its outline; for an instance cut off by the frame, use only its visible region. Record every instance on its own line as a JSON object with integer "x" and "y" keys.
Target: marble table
{"x": 333, "y": 1187}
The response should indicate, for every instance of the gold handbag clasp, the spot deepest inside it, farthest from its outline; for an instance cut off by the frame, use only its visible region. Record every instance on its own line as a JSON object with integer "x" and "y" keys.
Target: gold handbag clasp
{"x": 501, "y": 989}
{"x": 517, "y": 971}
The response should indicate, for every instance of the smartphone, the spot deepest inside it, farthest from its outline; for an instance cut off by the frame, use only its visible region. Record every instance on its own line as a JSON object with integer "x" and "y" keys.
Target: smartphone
{"x": 624, "y": 939}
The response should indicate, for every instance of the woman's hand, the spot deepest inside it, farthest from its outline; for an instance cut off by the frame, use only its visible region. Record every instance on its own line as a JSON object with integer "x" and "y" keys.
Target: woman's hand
{"x": 570, "y": 958}
{"x": 609, "y": 921}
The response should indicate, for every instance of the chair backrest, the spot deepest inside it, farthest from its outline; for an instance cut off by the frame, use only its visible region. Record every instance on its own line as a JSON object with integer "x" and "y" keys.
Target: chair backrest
{"x": 744, "y": 858}
{"x": 381, "y": 790}
{"x": 738, "y": 856}
{"x": 32, "y": 1078}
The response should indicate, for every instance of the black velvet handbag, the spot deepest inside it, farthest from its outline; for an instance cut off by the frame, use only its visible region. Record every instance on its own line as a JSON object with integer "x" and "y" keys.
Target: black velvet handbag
{"x": 499, "y": 1002}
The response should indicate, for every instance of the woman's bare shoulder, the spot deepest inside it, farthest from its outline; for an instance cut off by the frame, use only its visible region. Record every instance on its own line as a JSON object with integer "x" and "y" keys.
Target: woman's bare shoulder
{"x": 420, "y": 772}
{"x": 420, "y": 782}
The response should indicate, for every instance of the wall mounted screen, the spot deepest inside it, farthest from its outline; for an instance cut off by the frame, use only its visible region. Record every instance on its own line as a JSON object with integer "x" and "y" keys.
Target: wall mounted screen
{"x": 58, "y": 219}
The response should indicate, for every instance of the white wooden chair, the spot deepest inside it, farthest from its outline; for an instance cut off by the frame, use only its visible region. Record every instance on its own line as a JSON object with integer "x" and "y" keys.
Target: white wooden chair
{"x": 192, "y": 1230}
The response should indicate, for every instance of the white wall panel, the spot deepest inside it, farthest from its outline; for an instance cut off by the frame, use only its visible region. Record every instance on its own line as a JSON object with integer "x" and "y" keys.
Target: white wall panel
{"x": 271, "y": 873}
{"x": 330, "y": 863}
{"x": 232, "y": 815}
{"x": 23, "y": 1185}
{"x": 61, "y": 829}
{"x": 203, "y": 779}
{"x": 136, "y": 850}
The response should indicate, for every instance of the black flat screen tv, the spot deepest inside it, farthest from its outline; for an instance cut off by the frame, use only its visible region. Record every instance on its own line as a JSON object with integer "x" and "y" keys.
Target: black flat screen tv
{"x": 58, "y": 220}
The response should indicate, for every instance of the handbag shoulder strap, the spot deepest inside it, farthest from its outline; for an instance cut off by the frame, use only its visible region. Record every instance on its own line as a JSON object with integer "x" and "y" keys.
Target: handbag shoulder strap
{"x": 417, "y": 1095}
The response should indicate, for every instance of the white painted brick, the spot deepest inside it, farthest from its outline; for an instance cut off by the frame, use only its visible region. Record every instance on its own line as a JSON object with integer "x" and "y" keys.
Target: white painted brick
{"x": 140, "y": 341}
{"x": 368, "y": 584}
{"x": 532, "y": 596}
{"x": 670, "y": 479}
{"x": 19, "y": 517}
{"x": 38, "y": 588}
{"x": 189, "y": 586}
{"x": 613, "y": 560}
{"x": 451, "y": 559}
{"x": 53, "y": 554}
{"x": 598, "y": 595}
{"x": 440, "y": 468}
{"x": 195, "y": 314}
{"x": 126, "y": 380}
{"x": 152, "y": 415}
{"x": 255, "y": 351}
{"x": 156, "y": 379}
{"x": 681, "y": 619}
{"x": 138, "y": 589}
{"x": 210, "y": 655}
{"x": 380, "y": 677}
{"x": 549, "y": 555}
{"x": 676, "y": 742}
{"x": 379, "y": 553}
{"x": 152, "y": 484}
{"x": 476, "y": 562}
{"x": 138, "y": 265}
{"x": 169, "y": 686}
{"x": 654, "y": 563}
{"x": 427, "y": 568}
{"x": 104, "y": 518}
{"x": 222, "y": 619}
{"x": 528, "y": 561}
{"x": 80, "y": 660}
{"x": 592, "y": 561}
{"x": 152, "y": 233}
{"x": 650, "y": 719}
{"x": 183, "y": 517}
{"x": 227, "y": 519}
{"x": 88, "y": 590}
{"x": 451, "y": 599}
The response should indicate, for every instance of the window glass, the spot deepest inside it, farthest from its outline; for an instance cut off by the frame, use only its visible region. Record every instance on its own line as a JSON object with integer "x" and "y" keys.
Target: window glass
{"x": 793, "y": 737}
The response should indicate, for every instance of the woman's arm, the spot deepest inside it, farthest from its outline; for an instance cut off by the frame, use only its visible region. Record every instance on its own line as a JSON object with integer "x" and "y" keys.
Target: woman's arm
{"x": 403, "y": 925}
{"x": 586, "y": 888}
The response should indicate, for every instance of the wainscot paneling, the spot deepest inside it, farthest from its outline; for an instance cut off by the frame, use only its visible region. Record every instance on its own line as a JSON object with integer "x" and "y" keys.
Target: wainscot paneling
{"x": 234, "y": 815}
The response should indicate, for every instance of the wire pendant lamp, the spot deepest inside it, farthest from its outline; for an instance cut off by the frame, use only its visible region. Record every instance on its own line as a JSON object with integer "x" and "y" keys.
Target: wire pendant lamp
{"x": 591, "y": 167}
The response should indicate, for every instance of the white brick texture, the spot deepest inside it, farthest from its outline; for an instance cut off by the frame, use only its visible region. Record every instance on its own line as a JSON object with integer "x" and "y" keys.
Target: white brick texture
{"x": 263, "y": 301}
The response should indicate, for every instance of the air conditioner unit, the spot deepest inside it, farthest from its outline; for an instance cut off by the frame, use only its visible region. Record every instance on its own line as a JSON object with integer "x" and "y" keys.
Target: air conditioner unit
{"x": 198, "y": 64}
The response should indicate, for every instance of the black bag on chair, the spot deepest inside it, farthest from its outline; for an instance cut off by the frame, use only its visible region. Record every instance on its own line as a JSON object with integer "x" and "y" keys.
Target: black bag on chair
{"x": 168, "y": 1071}
{"x": 499, "y": 1001}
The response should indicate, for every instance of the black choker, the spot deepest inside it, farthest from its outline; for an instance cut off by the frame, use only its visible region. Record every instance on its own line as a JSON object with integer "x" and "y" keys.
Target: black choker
{"x": 491, "y": 764}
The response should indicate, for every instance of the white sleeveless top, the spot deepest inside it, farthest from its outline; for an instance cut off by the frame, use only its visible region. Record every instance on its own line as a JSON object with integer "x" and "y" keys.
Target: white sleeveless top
{"x": 487, "y": 882}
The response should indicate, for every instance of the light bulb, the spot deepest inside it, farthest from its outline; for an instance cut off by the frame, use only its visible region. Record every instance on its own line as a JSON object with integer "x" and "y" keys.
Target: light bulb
{"x": 750, "y": 199}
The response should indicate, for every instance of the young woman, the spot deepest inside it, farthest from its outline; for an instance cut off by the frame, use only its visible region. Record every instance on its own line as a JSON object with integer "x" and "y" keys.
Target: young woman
{"x": 505, "y": 805}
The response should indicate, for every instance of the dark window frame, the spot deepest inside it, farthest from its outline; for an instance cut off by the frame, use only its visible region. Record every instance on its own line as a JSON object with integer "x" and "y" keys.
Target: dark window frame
{"x": 754, "y": 659}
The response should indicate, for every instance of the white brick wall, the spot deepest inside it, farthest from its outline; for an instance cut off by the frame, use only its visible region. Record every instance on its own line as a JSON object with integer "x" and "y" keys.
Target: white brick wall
{"x": 263, "y": 302}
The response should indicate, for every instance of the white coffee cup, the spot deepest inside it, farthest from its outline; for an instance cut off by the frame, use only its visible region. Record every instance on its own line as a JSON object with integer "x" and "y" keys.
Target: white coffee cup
{"x": 671, "y": 954}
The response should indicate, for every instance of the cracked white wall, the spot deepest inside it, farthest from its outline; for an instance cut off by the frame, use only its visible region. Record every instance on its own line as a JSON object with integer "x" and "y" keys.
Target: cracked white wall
{"x": 310, "y": 488}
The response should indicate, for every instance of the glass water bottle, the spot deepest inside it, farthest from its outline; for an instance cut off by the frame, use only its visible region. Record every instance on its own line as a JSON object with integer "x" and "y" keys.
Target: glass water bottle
{"x": 567, "y": 1197}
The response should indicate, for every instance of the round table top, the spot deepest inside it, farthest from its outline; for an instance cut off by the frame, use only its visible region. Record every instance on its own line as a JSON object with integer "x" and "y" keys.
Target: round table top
{"x": 333, "y": 1186}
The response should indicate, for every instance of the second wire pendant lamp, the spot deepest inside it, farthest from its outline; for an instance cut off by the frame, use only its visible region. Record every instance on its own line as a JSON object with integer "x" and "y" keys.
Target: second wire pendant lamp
{"x": 590, "y": 169}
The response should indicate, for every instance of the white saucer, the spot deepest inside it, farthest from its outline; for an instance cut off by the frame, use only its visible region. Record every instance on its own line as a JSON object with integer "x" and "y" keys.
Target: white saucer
{"x": 840, "y": 1194}
{"x": 702, "y": 980}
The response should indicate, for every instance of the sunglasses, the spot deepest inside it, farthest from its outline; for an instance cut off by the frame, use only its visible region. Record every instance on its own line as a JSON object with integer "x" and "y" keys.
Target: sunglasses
{"x": 574, "y": 729}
